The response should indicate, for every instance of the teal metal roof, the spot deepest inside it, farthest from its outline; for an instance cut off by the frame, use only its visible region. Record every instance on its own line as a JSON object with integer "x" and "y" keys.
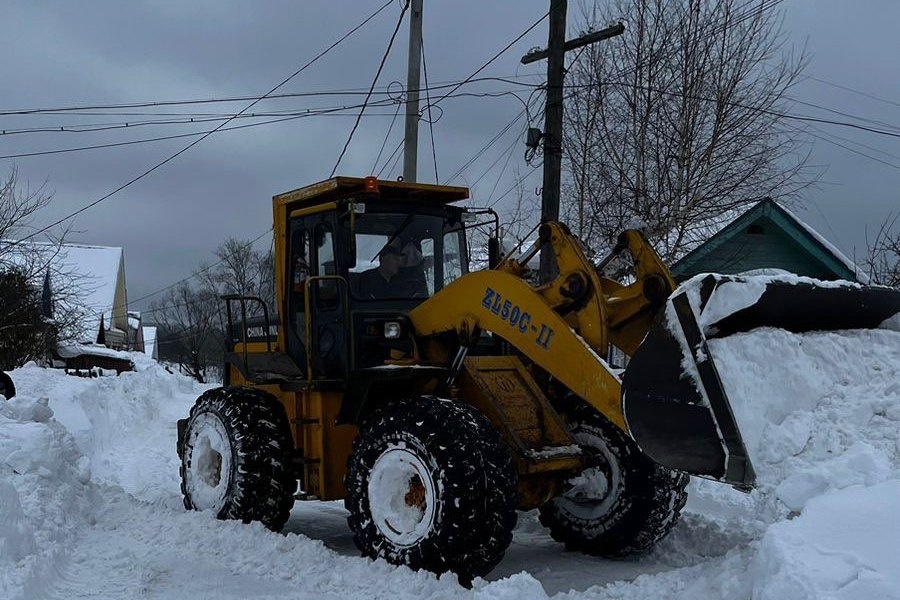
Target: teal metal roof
{"x": 768, "y": 236}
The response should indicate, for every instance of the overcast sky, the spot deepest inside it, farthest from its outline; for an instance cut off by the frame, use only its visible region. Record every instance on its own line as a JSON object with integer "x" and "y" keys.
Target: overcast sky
{"x": 63, "y": 54}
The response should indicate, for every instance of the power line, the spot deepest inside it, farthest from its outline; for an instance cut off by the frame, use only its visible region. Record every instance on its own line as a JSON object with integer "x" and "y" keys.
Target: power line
{"x": 89, "y": 109}
{"x": 768, "y": 111}
{"x": 206, "y": 135}
{"x": 854, "y": 91}
{"x": 192, "y": 118}
{"x": 323, "y": 113}
{"x": 384, "y": 58}
{"x": 186, "y": 119}
{"x": 199, "y": 271}
{"x": 492, "y": 59}
{"x": 390, "y": 158}
{"x": 430, "y": 119}
{"x": 386, "y": 136}
{"x": 487, "y": 146}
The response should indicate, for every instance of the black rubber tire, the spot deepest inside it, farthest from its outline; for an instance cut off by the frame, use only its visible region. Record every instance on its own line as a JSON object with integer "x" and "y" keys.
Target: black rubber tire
{"x": 475, "y": 506}
{"x": 643, "y": 505}
{"x": 261, "y": 483}
{"x": 7, "y": 387}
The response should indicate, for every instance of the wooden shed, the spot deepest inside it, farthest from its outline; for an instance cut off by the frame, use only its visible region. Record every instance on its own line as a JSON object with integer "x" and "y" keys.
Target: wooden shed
{"x": 768, "y": 236}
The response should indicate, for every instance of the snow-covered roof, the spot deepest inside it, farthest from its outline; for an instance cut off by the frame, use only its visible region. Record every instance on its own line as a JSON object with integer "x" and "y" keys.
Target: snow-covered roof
{"x": 97, "y": 272}
{"x": 815, "y": 243}
{"x": 840, "y": 256}
{"x": 150, "y": 342}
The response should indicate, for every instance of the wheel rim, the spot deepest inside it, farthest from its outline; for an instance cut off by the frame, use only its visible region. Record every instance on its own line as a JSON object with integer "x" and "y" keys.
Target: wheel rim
{"x": 402, "y": 497}
{"x": 208, "y": 475}
{"x": 593, "y": 492}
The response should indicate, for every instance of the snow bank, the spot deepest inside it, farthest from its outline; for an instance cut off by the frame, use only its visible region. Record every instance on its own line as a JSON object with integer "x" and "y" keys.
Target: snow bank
{"x": 45, "y": 496}
{"x": 90, "y": 503}
{"x": 90, "y": 506}
{"x": 844, "y": 546}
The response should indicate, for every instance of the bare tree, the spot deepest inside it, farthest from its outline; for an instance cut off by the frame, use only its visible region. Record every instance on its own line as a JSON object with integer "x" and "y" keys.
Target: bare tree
{"x": 191, "y": 317}
{"x": 19, "y": 204}
{"x": 678, "y": 123}
{"x": 189, "y": 331}
{"x": 883, "y": 256}
{"x": 25, "y": 264}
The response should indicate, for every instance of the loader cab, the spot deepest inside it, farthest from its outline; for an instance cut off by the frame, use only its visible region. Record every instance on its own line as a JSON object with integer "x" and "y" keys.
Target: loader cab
{"x": 358, "y": 256}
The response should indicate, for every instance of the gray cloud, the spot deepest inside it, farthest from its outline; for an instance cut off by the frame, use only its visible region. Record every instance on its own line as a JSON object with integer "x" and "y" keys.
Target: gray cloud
{"x": 100, "y": 52}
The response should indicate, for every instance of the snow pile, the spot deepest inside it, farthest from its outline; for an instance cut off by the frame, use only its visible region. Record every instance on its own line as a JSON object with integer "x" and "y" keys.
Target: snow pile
{"x": 820, "y": 414}
{"x": 90, "y": 506}
{"x": 843, "y": 546}
{"x": 45, "y": 496}
{"x": 90, "y": 503}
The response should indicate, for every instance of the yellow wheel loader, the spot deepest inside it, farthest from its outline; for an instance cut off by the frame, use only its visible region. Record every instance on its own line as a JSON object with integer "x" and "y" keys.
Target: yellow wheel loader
{"x": 436, "y": 402}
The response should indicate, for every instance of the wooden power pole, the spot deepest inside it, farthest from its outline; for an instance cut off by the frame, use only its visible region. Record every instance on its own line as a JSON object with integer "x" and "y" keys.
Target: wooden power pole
{"x": 557, "y": 46}
{"x": 414, "y": 69}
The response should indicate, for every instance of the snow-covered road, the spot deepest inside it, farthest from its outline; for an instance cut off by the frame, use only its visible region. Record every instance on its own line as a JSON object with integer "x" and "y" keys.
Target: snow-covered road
{"x": 90, "y": 504}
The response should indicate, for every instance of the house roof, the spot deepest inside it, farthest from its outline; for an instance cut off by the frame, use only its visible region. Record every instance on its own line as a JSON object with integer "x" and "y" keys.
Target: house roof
{"x": 803, "y": 239}
{"x": 150, "y": 341}
{"x": 94, "y": 270}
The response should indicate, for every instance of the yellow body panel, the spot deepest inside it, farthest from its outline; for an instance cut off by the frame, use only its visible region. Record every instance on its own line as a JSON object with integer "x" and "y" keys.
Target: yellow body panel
{"x": 501, "y": 388}
{"x": 326, "y": 446}
{"x": 507, "y": 306}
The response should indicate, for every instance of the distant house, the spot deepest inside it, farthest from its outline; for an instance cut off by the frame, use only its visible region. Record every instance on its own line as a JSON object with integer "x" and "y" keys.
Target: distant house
{"x": 768, "y": 236}
{"x": 89, "y": 281}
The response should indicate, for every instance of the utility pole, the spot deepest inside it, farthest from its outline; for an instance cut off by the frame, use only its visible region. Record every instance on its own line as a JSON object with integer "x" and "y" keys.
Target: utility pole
{"x": 414, "y": 69}
{"x": 557, "y": 46}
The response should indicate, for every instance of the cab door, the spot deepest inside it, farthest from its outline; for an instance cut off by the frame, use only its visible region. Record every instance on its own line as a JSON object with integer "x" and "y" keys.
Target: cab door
{"x": 329, "y": 339}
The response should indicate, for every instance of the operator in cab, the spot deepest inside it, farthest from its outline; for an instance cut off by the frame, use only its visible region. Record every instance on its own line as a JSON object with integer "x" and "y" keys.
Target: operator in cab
{"x": 396, "y": 274}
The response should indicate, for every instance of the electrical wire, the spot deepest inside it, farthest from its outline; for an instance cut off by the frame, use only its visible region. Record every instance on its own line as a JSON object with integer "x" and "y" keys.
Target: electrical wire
{"x": 430, "y": 119}
{"x": 390, "y": 158}
{"x": 487, "y": 146}
{"x": 187, "y": 119}
{"x": 89, "y": 109}
{"x": 332, "y": 112}
{"x": 195, "y": 273}
{"x": 500, "y": 53}
{"x": 211, "y": 132}
{"x": 384, "y": 58}
{"x": 854, "y": 91}
{"x": 323, "y": 113}
{"x": 386, "y": 136}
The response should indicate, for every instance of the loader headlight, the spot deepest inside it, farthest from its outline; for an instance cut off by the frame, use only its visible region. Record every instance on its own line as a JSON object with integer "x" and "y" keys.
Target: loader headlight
{"x": 392, "y": 330}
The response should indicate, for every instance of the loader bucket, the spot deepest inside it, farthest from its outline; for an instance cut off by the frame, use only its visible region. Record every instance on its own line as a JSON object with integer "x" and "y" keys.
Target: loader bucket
{"x": 674, "y": 403}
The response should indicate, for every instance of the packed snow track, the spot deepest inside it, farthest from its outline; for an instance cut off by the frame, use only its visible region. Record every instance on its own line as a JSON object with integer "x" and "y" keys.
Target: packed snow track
{"x": 90, "y": 503}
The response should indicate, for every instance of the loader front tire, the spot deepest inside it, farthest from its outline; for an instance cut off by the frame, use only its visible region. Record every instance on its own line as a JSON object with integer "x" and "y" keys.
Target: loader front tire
{"x": 430, "y": 485}
{"x": 236, "y": 457}
{"x": 623, "y": 503}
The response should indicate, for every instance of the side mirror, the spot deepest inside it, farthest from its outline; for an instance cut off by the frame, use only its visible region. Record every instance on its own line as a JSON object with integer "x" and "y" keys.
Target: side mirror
{"x": 493, "y": 252}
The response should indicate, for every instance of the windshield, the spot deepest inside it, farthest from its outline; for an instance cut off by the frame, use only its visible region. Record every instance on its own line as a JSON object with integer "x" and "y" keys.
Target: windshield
{"x": 404, "y": 255}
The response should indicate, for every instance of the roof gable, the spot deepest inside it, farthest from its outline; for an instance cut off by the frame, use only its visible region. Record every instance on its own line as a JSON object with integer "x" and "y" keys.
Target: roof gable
{"x": 98, "y": 273}
{"x": 789, "y": 243}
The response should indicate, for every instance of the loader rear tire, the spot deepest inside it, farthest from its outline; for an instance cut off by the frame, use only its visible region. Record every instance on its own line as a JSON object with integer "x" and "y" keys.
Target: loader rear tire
{"x": 621, "y": 505}
{"x": 236, "y": 458}
{"x": 431, "y": 485}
